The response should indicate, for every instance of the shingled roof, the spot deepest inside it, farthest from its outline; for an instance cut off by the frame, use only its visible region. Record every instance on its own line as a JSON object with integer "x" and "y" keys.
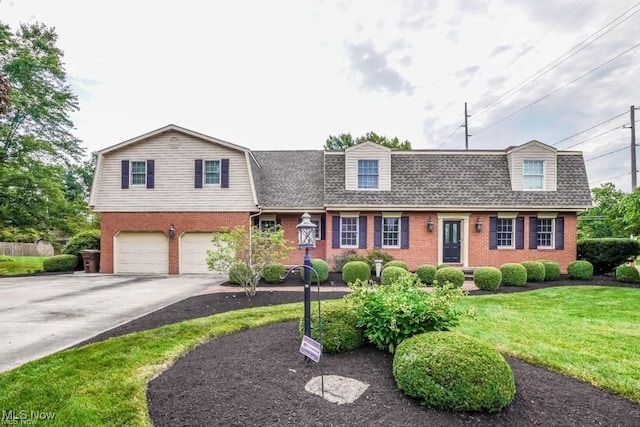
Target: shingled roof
{"x": 419, "y": 180}
{"x": 449, "y": 180}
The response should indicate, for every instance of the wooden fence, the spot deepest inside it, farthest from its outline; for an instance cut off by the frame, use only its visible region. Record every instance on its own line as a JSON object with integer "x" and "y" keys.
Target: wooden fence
{"x": 40, "y": 248}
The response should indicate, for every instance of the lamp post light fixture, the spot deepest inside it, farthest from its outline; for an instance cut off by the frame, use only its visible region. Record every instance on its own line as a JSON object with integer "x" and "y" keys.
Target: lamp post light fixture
{"x": 307, "y": 240}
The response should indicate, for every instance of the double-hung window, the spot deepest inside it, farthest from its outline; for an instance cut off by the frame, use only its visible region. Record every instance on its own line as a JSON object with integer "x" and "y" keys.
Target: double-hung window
{"x": 368, "y": 174}
{"x": 138, "y": 173}
{"x": 505, "y": 232}
{"x": 268, "y": 224}
{"x": 533, "y": 175}
{"x": 348, "y": 232}
{"x": 545, "y": 232}
{"x": 212, "y": 172}
{"x": 318, "y": 224}
{"x": 391, "y": 232}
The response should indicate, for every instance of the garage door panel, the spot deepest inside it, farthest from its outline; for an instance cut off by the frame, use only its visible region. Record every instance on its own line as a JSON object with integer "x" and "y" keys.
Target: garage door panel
{"x": 141, "y": 253}
{"x": 193, "y": 252}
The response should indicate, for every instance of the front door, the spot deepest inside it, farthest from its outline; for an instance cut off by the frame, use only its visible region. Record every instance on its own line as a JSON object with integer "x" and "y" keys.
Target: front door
{"x": 451, "y": 239}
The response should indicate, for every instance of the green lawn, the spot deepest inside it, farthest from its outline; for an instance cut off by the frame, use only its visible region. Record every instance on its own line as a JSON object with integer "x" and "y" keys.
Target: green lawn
{"x": 21, "y": 265}
{"x": 588, "y": 332}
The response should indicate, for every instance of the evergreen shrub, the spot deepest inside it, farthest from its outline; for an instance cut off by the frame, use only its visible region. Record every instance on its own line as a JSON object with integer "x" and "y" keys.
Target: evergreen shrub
{"x": 551, "y": 270}
{"x": 60, "y": 263}
{"x": 340, "y": 332}
{"x": 580, "y": 270}
{"x": 487, "y": 278}
{"x": 513, "y": 274}
{"x": 535, "y": 271}
{"x": 627, "y": 274}
{"x": 391, "y": 274}
{"x": 426, "y": 273}
{"x": 355, "y": 270}
{"x": 453, "y": 275}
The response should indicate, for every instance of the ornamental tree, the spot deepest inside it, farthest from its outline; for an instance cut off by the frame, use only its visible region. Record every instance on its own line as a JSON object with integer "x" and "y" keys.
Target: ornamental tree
{"x": 254, "y": 248}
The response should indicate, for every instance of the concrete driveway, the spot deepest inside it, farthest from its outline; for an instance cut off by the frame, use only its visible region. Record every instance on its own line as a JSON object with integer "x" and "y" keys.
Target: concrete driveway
{"x": 40, "y": 315}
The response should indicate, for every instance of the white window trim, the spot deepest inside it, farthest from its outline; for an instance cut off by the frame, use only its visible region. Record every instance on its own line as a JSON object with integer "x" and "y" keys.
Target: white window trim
{"x": 553, "y": 234}
{"x": 138, "y": 184}
{"x": 357, "y": 234}
{"x": 317, "y": 220}
{"x": 204, "y": 172}
{"x": 513, "y": 234}
{"x": 399, "y": 232}
{"x": 544, "y": 175}
{"x": 358, "y": 175}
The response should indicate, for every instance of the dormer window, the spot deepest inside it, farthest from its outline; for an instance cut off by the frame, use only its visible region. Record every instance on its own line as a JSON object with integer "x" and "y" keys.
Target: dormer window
{"x": 368, "y": 174}
{"x": 533, "y": 175}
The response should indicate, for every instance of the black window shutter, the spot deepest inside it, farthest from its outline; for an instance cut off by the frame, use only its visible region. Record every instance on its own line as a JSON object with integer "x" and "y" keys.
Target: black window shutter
{"x": 224, "y": 180}
{"x": 493, "y": 232}
{"x": 125, "y": 174}
{"x": 519, "y": 232}
{"x": 278, "y": 223}
{"x": 377, "y": 231}
{"x": 151, "y": 172}
{"x": 256, "y": 221}
{"x": 323, "y": 226}
{"x": 560, "y": 233}
{"x": 362, "y": 231}
{"x": 335, "y": 232}
{"x": 404, "y": 232}
{"x": 533, "y": 233}
{"x": 198, "y": 182}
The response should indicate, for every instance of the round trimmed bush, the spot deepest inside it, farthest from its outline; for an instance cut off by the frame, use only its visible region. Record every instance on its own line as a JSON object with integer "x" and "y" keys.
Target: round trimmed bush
{"x": 453, "y": 275}
{"x": 273, "y": 273}
{"x": 535, "y": 271}
{"x": 551, "y": 270}
{"x": 487, "y": 278}
{"x": 66, "y": 262}
{"x": 339, "y": 331}
{"x": 627, "y": 274}
{"x": 580, "y": 270}
{"x": 396, "y": 263}
{"x": 391, "y": 274}
{"x": 442, "y": 266}
{"x": 238, "y": 273}
{"x": 513, "y": 274}
{"x": 453, "y": 372}
{"x": 322, "y": 268}
{"x": 426, "y": 273}
{"x": 354, "y": 270}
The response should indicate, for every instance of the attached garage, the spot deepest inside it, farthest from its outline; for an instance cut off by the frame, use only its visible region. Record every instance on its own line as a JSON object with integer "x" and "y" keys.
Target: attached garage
{"x": 141, "y": 253}
{"x": 193, "y": 252}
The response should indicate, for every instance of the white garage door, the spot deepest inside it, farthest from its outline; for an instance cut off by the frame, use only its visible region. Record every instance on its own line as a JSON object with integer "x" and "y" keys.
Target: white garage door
{"x": 146, "y": 253}
{"x": 193, "y": 252}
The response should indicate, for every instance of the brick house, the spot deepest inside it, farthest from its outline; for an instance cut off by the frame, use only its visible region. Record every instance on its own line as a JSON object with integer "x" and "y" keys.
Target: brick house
{"x": 162, "y": 194}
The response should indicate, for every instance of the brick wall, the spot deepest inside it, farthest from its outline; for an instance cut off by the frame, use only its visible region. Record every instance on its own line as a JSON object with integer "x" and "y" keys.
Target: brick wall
{"x": 114, "y": 222}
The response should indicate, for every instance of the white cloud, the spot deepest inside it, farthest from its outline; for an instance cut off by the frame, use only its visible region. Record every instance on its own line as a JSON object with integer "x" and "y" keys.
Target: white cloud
{"x": 284, "y": 74}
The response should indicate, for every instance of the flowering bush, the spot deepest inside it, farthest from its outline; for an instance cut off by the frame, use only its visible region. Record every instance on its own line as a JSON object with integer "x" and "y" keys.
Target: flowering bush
{"x": 393, "y": 313}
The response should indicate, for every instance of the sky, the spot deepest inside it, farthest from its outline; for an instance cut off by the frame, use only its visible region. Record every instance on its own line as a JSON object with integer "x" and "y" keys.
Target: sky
{"x": 287, "y": 74}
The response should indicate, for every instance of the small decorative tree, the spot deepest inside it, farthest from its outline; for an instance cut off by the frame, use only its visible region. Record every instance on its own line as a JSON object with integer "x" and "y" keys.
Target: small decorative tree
{"x": 253, "y": 247}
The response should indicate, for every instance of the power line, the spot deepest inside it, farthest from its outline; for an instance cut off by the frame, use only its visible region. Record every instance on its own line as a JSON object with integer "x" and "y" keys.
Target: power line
{"x": 558, "y": 61}
{"x": 594, "y": 137}
{"x": 588, "y": 129}
{"x": 606, "y": 154}
{"x": 611, "y": 177}
{"x": 450, "y": 136}
{"x": 559, "y": 89}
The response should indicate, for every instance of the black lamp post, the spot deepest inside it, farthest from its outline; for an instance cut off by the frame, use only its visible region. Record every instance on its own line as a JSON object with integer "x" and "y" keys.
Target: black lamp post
{"x": 307, "y": 240}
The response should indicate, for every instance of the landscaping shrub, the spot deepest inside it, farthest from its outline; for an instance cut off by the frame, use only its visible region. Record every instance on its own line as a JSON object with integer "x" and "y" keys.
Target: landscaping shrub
{"x": 580, "y": 270}
{"x": 238, "y": 273}
{"x": 400, "y": 264}
{"x": 273, "y": 273}
{"x": 393, "y": 313}
{"x": 322, "y": 268}
{"x": 355, "y": 270}
{"x": 60, "y": 263}
{"x": 453, "y": 275}
{"x": 607, "y": 254}
{"x": 453, "y": 372}
{"x": 340, "y": 260}
{"x": 426, "y": 273}
{"x": 551, "y": 270}
{"x": 375, "y": 254}
{"x": 535, "y": 271}
{"x": 627, "y": 274}
{"x": 487, "y": 278}
{"x": 391, "y": 274}
{"x": 88, "y": 239}
{"x": 442, "y": 266}
{"x": 513, "y": 274}
{"x": 340, "y": 332}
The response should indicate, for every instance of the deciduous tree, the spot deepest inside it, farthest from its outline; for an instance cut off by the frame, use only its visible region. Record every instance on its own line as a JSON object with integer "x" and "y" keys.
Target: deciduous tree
{"x": 345, "y": 140}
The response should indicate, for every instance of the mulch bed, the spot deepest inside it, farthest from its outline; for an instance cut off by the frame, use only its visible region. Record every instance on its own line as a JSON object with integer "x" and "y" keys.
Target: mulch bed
{"x": 257, "y": 377}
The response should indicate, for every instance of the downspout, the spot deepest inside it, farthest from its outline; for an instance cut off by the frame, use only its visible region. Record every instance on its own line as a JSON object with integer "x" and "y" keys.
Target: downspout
{"x": 251, "y": 229}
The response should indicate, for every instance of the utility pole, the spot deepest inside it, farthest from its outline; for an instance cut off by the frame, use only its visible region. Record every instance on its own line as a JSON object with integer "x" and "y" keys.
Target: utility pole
{"x": 634, "y": 173}
{"x": 466, "y": 128}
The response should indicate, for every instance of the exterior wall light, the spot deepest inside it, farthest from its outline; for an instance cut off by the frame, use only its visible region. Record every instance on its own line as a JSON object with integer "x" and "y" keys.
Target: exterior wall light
{"x": 430, "y": 225}
{"x": 172, "y": 231}
{"x": 479, "y": 225}
{"x": 307, "y": 240}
